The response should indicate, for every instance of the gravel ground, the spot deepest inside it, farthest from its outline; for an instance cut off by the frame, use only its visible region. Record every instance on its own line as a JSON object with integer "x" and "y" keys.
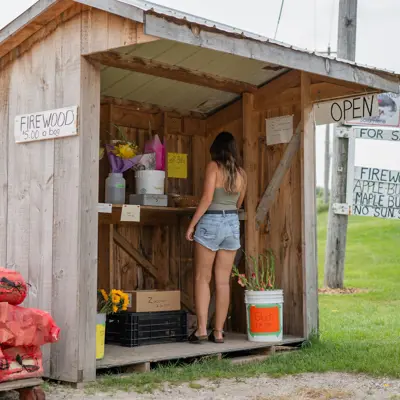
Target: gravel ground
{"x": 329, "y": 386}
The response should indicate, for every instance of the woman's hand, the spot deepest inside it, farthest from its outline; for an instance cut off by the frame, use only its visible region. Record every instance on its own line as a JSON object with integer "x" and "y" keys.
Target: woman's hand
{"x": 190, "y": 233}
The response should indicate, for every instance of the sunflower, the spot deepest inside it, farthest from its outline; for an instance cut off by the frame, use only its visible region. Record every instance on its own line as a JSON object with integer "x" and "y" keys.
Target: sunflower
{"x": 115, "y": 309}
{"x": 125, "y": 150}
{"x": 115, "y": 298}
{"x": 104, "y": 294}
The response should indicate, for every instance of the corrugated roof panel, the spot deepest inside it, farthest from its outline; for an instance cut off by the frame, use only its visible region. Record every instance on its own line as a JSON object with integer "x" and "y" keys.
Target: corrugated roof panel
{"x": 206, "y": 61}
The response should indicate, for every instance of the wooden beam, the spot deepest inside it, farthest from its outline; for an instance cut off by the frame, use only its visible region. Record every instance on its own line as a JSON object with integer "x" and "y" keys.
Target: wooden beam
{"x": 150, "y": 108}
{"x": 250, "y": 153}
{"x": 266, "y": 51}
{"x": 275, "y": 183}
{"x": 274, "y": 88}
{"x": 321, "y": 91}
{"x": 31, "y": 21}
{"x": 116, "y": 7}
{"x": 224, "y": 116}
{"x": 135, "y": 254}
{"x": 173, "y": 72}
{"x": 309, "y": 211}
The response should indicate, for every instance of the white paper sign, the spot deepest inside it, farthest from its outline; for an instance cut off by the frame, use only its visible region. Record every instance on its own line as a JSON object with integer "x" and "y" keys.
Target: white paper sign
{"x": 104, "y": 208}
{"x": 376, "y": 192}
{"x": 52, "y": 124}
{"x": 346, "y": 109}
{"x": 279, "y": 129}
{"x": 130, "y": 213}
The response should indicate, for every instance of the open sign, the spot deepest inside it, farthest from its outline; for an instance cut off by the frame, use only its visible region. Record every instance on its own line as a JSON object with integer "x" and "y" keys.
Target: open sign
{"x": 353, "y": 108}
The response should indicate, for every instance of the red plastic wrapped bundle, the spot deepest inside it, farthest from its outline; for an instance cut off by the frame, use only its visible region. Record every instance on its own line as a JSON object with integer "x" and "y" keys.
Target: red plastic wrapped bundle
{"x": 20, "y": 363}
{"x": 13, "y": 289}
{"x": 26, "y": 327}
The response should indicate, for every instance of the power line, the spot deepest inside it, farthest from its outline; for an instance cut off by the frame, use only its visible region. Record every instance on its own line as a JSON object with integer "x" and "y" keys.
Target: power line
{"x": 279, "y": 18}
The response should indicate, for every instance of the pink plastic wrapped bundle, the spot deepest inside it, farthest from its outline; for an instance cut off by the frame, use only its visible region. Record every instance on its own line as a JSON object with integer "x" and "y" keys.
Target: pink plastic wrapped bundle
{"x": 155, "y": 146}
{"x": 13, "y": 288}
{"x": 20, "y": 363}
{"x": 26, "y": 327}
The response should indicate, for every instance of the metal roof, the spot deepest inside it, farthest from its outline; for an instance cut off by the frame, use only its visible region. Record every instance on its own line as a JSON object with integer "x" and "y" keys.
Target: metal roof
{"x": 167, "y": 11}
{"x": 203, "y": 46}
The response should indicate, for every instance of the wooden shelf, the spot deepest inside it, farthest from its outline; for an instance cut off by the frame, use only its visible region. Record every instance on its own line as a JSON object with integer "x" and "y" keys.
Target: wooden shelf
{"x": 149, "y": 215}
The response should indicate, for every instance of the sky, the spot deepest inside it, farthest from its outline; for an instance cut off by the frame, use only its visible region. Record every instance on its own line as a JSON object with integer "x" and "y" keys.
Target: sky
{"x": 310, "y": 24}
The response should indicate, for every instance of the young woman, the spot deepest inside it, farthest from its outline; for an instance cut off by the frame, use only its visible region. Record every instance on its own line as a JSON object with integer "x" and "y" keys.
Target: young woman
{"x": 215, "y": 230}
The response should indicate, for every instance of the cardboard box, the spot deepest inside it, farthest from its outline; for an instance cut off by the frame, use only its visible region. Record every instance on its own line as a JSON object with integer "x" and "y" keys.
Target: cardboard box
{"x": 154, "y": 300}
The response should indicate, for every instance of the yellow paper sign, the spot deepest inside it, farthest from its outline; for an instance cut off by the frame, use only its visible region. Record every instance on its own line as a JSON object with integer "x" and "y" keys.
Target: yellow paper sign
{"x": 177, "y": 165}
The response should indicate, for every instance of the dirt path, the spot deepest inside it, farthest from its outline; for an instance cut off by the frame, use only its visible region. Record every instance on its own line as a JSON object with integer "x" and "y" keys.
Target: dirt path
{"x": 329, "y": 386}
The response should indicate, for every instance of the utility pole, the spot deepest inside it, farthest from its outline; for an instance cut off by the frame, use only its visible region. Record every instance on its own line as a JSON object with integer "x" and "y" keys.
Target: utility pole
{"x": 337, "y": 224}
{"x": 327, "y": 155}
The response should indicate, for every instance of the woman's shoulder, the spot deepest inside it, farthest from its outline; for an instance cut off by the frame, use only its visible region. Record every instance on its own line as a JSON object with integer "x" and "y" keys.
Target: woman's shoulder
{"x": 212, "y": 166}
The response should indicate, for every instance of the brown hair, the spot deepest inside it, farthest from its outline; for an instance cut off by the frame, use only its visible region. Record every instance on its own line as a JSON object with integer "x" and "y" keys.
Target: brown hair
{"x": 224, "y": 153}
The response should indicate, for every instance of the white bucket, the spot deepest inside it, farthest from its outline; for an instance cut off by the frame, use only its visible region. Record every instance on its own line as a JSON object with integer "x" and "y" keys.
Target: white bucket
{"x": 264, "y": 315}
{"x": 150, "y": 182}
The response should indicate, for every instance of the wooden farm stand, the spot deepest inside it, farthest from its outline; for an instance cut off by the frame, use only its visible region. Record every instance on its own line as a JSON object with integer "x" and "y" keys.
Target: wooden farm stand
{"x": 128, "y": 64}
{"x": 28, "y": 389}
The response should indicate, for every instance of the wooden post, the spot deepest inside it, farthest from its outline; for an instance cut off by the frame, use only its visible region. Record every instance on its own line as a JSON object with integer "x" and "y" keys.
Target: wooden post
{"x": 337, "y": 224}
{"x": 250, "y": 155}
{"x": 309, "y": 212}
{"x": 327, "y": 156}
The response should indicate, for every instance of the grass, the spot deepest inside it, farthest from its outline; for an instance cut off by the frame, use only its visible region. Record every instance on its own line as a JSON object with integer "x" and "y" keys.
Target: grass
{"x": 359, "y": 332}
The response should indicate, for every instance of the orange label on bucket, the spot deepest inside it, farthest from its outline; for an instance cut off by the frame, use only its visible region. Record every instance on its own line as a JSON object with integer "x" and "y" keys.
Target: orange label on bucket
{"x": 264, "y": 320}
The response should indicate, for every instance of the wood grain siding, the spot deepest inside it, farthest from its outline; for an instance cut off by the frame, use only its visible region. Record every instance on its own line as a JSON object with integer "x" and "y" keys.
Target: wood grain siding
{"x": 309, "y": 212}
{"x": 4, "y": 95}
{"x": 250, "y": 163}
{"x": 48, "y": 218}
{"x": 147, "y": 257}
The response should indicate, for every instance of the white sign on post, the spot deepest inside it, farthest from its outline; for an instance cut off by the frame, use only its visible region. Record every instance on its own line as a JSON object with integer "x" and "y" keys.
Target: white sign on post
{"x": 376, "y": 192}
{"x": 45, "y": 125}
{"x": 346, "y": 109}
{"x": 279, "y": 129}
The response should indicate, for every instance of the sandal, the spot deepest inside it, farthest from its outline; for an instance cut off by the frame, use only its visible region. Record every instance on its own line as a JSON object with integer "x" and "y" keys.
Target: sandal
{"x": 213, "y": 339}
{"x": 193, "y": 338}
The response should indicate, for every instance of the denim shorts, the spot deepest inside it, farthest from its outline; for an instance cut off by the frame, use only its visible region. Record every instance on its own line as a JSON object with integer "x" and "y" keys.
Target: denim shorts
{"x": 218, "y": 232}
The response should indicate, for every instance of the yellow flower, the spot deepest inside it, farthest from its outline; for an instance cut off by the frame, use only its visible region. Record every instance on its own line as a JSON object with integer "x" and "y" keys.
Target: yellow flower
{"x": 104, "y": 294}
{"x": 125, "y": 151}
{"x": 115, "y": 309}
{"x": 115, "y": 298}
{"x": 124, "y": 308}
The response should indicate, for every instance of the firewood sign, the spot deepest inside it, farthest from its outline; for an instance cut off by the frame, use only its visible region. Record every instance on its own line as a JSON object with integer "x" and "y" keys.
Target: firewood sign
{"x": 52, "y": 124}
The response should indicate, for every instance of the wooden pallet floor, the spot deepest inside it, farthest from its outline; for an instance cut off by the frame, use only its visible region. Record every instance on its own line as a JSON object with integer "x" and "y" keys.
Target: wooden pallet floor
{"x": 117, "y": 356}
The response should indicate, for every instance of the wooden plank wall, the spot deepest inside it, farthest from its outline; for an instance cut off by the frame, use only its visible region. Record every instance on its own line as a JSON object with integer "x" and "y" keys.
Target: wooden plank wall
{"x": 283, "y": 230}
{"x": 165, "y": 246}
{"x": 48, "y": 218}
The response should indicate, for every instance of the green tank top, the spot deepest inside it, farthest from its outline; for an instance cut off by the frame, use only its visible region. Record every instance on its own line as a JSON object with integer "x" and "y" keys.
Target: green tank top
{"x": 223, "y": 201}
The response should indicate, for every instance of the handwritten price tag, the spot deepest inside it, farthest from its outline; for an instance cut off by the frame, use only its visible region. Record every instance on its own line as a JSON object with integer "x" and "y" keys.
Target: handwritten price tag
{"x": 130, "y": 213}
{"x": 104, "y": 208}
{"x": 177, "y": 165}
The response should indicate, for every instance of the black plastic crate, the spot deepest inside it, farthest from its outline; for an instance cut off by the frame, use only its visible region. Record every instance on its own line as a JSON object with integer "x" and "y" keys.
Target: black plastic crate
{"x": 138, "y": 329}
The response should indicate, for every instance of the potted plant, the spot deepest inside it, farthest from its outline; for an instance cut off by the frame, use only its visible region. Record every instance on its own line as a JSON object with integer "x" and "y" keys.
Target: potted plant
{"x": 264, "y": 302}
{"x": 107, "y": 303}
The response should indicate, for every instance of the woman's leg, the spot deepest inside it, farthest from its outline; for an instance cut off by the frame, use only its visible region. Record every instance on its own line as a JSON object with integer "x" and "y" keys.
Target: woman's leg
{"x": 223, "y": 269}
{"x": 204, "y": 260}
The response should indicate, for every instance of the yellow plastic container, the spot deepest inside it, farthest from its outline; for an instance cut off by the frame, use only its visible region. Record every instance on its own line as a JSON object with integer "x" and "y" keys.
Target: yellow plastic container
{"x": 100, "y": 335}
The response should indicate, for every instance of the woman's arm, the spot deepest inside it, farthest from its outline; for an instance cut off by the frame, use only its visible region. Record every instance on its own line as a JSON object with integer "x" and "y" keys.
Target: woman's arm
{"x": 210, "y": 181}
{"x": 242, "y": 190}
